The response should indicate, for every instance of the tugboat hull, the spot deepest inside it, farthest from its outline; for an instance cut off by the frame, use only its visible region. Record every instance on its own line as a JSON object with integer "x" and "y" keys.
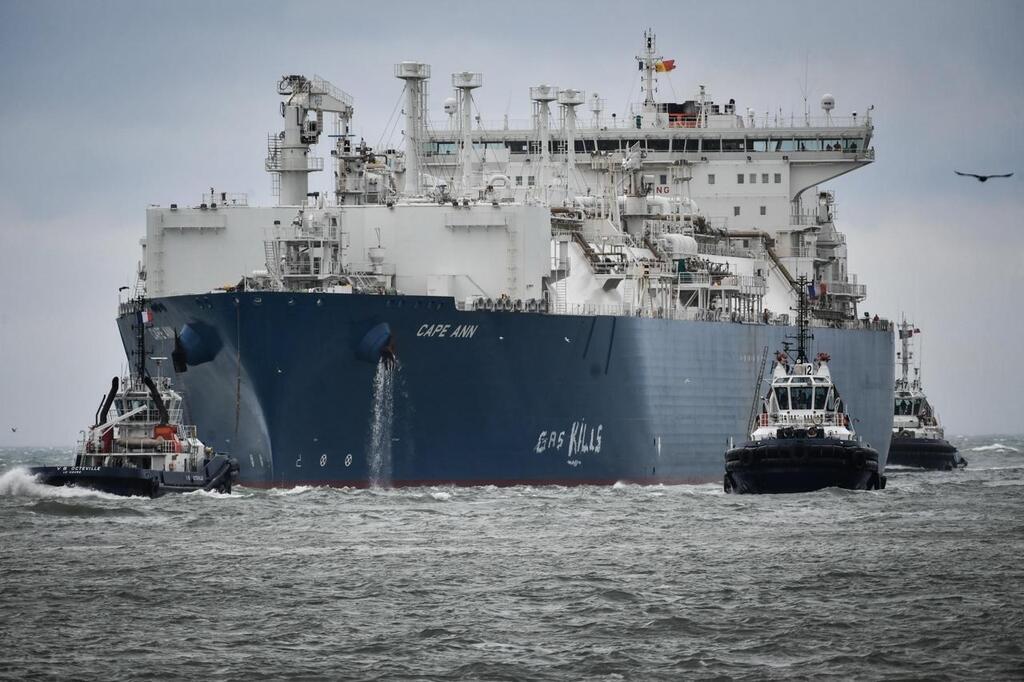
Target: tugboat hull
{"x": 925, "y": 453}
{"x": 218, "y": 475}
{"x": 799, "y": 465}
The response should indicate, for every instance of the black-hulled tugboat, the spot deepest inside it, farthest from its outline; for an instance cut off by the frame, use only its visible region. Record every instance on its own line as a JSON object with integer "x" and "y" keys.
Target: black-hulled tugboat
{"x": 802, "y": 439}
{"x": 139, "y": 445}
{"x": 918, "y": 439}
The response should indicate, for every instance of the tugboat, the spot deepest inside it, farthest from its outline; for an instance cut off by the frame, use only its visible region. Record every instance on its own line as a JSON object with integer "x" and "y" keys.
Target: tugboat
{"x": 139, "y": 445}
{"x": 918, "y": 439}
{"x": 803, "y": 439}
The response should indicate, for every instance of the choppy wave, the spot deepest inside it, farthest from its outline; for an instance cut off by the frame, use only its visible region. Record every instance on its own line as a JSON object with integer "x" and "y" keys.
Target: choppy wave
{"x": 995, "y": 447}
{"x": 526, "y": 582}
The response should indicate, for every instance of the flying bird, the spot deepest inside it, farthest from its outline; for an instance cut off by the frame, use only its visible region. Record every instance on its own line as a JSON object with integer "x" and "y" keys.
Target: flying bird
{"x": 982, "y": 178}
{"x": 14, "y": 429}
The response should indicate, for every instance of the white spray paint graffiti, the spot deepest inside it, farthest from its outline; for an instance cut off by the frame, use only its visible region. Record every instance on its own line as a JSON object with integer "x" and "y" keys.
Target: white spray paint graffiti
{"x": 582, "y": 438}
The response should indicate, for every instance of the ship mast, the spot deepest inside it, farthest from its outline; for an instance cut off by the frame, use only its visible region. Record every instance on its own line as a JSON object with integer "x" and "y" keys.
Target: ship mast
{"x": 905, "y": 354}
{"x": 140, "y": 338}
{"x": 648, "y": 63}
{"x": 802, "y": 321}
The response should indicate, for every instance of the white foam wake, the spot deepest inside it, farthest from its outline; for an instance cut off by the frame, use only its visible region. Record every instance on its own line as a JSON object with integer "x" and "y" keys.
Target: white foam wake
{"x": 19, "y": 482}
{"x": 995, "y": 447}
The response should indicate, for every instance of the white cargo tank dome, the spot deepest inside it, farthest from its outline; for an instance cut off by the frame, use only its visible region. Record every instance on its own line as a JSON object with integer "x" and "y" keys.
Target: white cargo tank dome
{"x": 679, "y": 245}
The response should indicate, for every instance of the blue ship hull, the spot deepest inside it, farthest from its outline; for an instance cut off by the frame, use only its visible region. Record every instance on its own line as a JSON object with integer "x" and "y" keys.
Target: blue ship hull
{"x": 293, "y": 387}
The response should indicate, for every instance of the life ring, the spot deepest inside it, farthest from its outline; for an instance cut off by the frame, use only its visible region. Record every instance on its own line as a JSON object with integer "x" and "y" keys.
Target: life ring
{"x": 812, "y": 432}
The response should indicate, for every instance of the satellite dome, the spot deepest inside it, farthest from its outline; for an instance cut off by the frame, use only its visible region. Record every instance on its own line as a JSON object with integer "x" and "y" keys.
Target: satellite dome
{"x": 828, "y": 102}
{"x": 450, "y": 106}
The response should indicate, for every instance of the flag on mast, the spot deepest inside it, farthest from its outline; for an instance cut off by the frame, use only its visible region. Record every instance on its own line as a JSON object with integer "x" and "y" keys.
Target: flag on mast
{"x": 665, "y": 65}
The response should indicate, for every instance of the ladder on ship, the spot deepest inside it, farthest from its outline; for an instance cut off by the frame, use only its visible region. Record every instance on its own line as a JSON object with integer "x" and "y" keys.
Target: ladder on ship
{"x": 757, "y": 390}
{"x": 270, "y": 252}
{"x": 512, "y": 259}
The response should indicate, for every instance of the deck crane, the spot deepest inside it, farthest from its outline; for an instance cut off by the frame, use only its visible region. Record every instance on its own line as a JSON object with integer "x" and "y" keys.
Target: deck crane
{"x": 288, "y": 156}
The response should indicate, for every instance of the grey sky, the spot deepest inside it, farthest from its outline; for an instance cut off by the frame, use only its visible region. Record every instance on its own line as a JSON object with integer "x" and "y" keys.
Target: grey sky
{"x": 111, "y": 106}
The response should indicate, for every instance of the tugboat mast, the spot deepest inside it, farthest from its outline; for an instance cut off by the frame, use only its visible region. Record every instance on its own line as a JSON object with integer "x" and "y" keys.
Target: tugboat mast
{"x": 802, "y": 321}
{"x": 140, "y": 339}
{"x": 905, "y": 335}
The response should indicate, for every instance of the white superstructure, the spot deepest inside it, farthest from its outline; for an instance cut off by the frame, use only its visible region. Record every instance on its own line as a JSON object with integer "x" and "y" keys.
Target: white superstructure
{"x": 913, "y": 414}
{"x": 802, "y": 396}
{"x": 679, "y": 210}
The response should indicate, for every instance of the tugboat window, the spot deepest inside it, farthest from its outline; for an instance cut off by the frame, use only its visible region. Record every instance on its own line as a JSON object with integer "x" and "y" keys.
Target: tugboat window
{"x": 819, "y": 397}
{"x": 782, "y": 396}
{"x": 801, "y": 397}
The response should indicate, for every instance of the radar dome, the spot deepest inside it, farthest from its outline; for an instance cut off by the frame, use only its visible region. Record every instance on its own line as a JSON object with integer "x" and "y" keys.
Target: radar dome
{"x": 828, "y": 102}
{"x": 450, "y": 106}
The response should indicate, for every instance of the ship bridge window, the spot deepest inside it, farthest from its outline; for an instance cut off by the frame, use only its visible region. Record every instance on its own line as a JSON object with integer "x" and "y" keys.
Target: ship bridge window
{"x": 830, "y": 401}
{"x": 809, "y": 145}
{"x": 904, "y": 407}
{"x": 658, "y": 145}
{"x": 733, "y": 146}
{"x": 516, "y": 146}
{"x": 608, "y": 145}
{"x": 782, "y": 397}
{"x": 711, "y": 145}
{"x": 820, "y": 396}
{"x": 784, "y": 145}
{"x": 800, "y": 397}
{"x": 757, "y": 145}
{"x": 690, "y": 146}
{"x": 445, "y": 148}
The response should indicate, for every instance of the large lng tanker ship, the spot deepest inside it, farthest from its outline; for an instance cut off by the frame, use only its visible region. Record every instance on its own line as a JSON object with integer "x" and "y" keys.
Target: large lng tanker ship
{"x": 558, "y": 301}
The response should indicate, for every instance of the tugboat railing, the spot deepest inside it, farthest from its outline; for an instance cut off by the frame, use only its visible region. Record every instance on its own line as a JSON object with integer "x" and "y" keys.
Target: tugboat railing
{"x": 802, "y": 419}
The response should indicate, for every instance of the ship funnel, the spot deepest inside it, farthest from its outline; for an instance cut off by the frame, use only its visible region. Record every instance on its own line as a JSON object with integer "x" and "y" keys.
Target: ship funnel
{"x": 542, "y": 96}
{"x": 570, "y": 99}
{"x": 415, "y": 75}
{"x": 465, "y": 82}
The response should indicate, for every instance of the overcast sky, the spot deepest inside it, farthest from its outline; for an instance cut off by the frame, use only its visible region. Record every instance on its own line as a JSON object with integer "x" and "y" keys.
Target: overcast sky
{"x": 110, "y": 106}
